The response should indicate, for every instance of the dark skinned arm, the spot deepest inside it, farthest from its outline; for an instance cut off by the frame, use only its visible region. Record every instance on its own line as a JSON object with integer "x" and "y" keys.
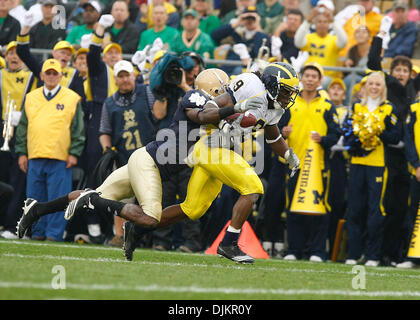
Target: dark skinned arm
{"x": 210, "y": 113}
{"x": 272, "y": 133}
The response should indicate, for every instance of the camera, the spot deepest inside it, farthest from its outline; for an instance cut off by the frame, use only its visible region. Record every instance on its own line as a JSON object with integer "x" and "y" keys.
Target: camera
{"x": 251, "y": 18}
{"x": 173, "y": 74}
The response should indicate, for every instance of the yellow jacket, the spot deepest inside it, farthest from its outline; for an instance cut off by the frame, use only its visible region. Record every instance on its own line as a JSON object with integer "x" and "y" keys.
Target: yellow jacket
{"x": 318, "y": 115}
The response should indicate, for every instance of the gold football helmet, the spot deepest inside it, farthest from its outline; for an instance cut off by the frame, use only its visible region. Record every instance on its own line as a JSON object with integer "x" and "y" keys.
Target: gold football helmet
{"x": 212, "y": 82}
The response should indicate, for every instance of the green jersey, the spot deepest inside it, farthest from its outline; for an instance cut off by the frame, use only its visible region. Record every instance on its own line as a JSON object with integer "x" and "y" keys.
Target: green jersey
{"x": 148, "y": 36}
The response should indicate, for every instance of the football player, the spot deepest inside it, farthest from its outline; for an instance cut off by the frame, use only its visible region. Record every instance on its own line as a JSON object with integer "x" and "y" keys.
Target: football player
{"x": 143, "y": 174}
{"x": 276, "y": 90}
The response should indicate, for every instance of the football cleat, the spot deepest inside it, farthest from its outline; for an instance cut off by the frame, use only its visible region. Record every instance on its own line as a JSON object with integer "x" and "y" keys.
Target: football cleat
{"x": 234, "y": 253}
{"x": 28, "y": 218}
{"x": 130, "y": 240}
{"x": 81, "y": 203}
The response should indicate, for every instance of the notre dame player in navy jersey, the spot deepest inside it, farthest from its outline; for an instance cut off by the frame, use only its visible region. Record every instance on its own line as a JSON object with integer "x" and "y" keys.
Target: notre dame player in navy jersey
{"x": 142, "y": 176}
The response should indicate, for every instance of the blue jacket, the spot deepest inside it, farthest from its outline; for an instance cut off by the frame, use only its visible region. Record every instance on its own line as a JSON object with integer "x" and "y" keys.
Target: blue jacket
{"x": 253, "y": 44}
{"x": 402, "y": 42}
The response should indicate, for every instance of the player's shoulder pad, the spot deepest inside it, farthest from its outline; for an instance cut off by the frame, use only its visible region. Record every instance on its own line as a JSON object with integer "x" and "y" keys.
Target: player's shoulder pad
{"x": 194, "y": 99}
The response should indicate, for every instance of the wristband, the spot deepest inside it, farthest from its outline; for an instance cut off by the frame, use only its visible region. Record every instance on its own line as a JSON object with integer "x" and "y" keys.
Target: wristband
{"x": 274, "y": 140}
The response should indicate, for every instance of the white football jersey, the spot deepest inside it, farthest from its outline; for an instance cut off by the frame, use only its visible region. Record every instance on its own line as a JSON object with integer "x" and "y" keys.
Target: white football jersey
{"x": 248, "y": 85}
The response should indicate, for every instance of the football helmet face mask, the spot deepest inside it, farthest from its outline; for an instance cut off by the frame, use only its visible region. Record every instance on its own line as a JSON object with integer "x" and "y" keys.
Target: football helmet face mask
{"x": 282, "y": 84}
{"x": 212, "y": 82}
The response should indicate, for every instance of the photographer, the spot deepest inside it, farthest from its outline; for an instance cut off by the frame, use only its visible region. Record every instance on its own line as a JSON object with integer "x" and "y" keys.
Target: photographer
{"x": 170, "y": 79}
{"x": 245, "y": 30}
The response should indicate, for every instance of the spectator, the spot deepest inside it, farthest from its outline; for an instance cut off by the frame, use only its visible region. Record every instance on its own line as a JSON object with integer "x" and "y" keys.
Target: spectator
{"x": 367, "y": 176}
{"x": 145, "y": 18}
{"x": 62, "y": 52}
{"x": 80, "y": 62}
{"x": 403, "y": 33}
{"x": 208, "y": 20}
{"x": 160, "y": 28}
{"x": 9, "y": 26}
{"x": 357, "y": 57}
{"x": 192, "y": 38}
{"x": 286, "y": 32}
{"x": 245, "y": 30}
{"x": 44, "y": 35}
{"x": 279, "y": 22}
{"x": 241, "y": 5}
{"x": 338, "y": 163}
{"x": 91, "y": 13}
{"x": 269, "y": 11}
{"x": 401, "y": 92}
{"x": 100, "y": 84}
{"x": 323, "y": 47}
{"x": 58, "y": 123}
{"x": 412, "y": 151}
{"x": 16, "y": 83}
{"x": 133, "y": 9}
{"x": 311, "y": 117}
{"x": 413, "y": 11}
{"x": 361, "y": 14}
{"x": 123, "y": 31}
{"x": 126, "y": 122}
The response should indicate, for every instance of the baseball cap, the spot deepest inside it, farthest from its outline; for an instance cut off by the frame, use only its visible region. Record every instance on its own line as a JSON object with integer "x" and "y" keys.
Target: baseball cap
{"x": 250, "y": 9}
{"x": 49, "y": 2}
{"x": 315, "y": 65}
{"x": 64, "y": 45}
{"x": 400, "y": 4}
{"x": 112, "y": 45}
{"x": 94, "y": 4}
{"x": 337, "y": 81}
{"x": 190, "y": 12}
{"x": 80, "y": 51}
{"x": 12, "y": 44}
{"x": 51, "y": 64}
{"x": 123, "y": 65}
{"x": 326, "y": 3}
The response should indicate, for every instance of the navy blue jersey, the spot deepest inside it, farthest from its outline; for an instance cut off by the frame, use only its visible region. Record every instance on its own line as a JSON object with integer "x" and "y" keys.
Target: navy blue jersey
{"x": 173, "y": 144}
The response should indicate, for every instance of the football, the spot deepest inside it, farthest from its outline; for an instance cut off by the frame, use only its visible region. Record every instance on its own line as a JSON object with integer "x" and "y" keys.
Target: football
{"x": 247, "y": 121}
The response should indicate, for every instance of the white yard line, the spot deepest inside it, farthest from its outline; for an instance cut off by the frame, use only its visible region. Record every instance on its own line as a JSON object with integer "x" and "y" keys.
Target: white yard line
{"x": 199, "y": 265}
{"x": 196, "y": 289}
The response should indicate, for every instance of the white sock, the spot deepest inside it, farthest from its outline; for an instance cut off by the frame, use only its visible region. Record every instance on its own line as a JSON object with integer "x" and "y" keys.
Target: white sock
{"x": 232, "y": 229}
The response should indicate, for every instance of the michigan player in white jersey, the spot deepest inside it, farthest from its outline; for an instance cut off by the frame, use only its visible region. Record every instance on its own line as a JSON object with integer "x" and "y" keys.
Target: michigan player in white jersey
{"x": 211, "y": 171}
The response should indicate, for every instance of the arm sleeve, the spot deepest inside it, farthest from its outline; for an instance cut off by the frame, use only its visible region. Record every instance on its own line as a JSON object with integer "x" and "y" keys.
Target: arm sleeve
{"x": 25, "y": 55}
{"x": 333, "y": 132}
{"x": 94, "y": 61}
{"x": 22, "y": 135}
{"x": 391, "y": 134}
{"x": 410, "y": 147}
{"x": 105, "y": 126}
{"x": 300, "y": 36}
{"x": 77, "y": 133}
{"x": 374, "y": 55}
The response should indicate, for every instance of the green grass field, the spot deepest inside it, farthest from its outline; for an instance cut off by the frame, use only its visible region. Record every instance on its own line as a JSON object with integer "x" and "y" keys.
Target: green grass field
{"x": 98, "y": 272}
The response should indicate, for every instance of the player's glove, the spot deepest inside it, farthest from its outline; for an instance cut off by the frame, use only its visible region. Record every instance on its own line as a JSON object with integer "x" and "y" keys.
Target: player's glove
{"x": 293, "y": 160}
{"x": 249, "y": 104}
{"x": 298, "y": 62}
{"x": 106, "y": 20}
